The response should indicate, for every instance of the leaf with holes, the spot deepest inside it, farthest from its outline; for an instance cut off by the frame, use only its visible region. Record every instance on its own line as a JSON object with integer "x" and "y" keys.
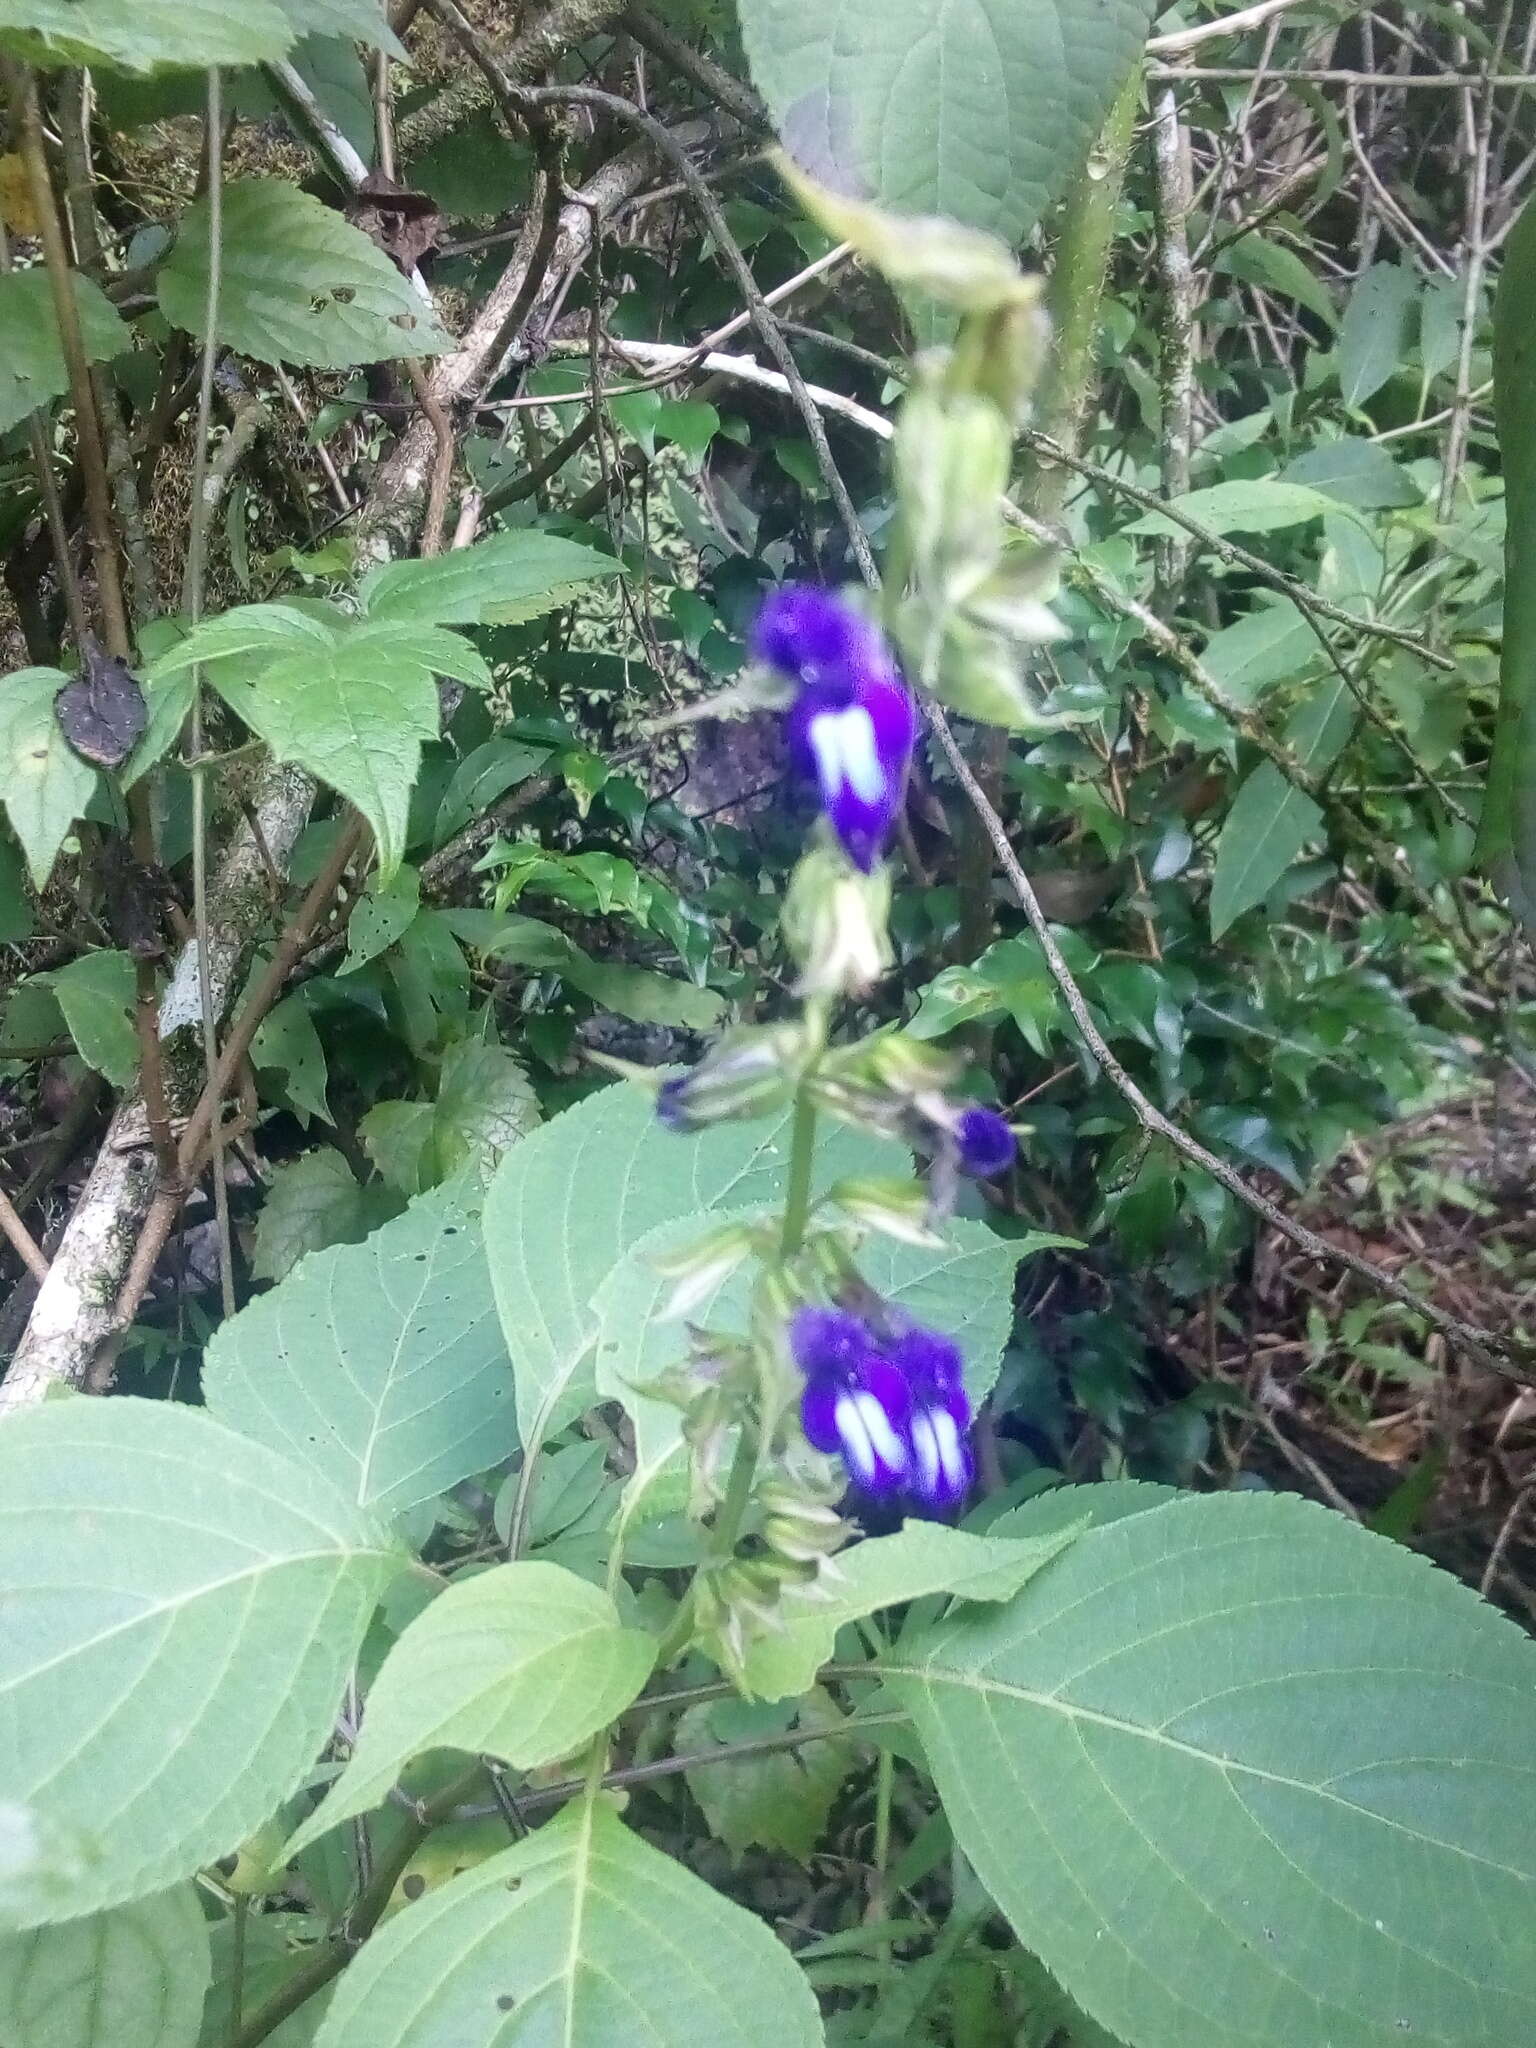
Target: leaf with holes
{"x": 46, "y": 786}
{"x": 379, "y": 1365}
{"x": 524, "y": 1663}
{"x": 581, "y": 1934}
{"x": 297, "y": 283}
{"x": 136, "y": 1973}
{"x": 569, "y": 1201}
{"x": 185, "y": 1607}
{"x": 981, "y": 113}
{"x": 1212, "y": 1735}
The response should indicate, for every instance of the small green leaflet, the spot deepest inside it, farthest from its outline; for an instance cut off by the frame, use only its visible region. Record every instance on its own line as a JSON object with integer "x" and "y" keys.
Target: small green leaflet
{"x": 135, "y": 1974}
{"x": 298, "y": 283}
{"x": 1238, "y": 1771}
{"x": 46, "y": 786}
{"x": 193, "y": 1607}
{"x": 1271, "y": 820}
{"x": 481, "y": 585}
{"x": 524, "y": 1662}
{"x": 32, "y": 371}
{"x": 584, "y": 1935}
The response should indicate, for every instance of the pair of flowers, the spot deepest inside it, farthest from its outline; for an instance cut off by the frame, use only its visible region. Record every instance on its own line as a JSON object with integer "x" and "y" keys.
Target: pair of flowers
{"x": 891, "y": 1403}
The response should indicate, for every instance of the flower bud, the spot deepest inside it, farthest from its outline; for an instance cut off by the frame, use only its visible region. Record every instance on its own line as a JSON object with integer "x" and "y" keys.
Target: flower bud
{"x": 952, "y": 455}
{"x": 748, "y": 1073}
{"x": 697, "y": 1270}
{"x": 835, "y": 924}
{"x": 896, "y": 1208}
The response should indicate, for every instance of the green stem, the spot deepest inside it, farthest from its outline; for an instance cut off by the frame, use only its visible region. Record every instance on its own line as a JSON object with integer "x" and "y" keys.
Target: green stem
{"x": 797, "y": 1199}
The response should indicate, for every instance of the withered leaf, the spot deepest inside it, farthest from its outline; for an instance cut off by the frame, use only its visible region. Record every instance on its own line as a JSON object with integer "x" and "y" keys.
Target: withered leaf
{"x": 102, "y": 713}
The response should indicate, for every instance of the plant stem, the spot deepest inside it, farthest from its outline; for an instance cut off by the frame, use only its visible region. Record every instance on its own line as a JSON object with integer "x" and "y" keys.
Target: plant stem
{"x": 797, "y": 1198}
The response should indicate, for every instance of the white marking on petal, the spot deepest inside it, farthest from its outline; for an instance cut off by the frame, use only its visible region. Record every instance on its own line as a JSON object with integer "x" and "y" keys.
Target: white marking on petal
{"x": 889, "y": 1448}
{"x": 854, "y": 1437}
{"x": 951, "y": 1452}
{"x": 846, "y": 756}
{"x": 929, "y": 1456}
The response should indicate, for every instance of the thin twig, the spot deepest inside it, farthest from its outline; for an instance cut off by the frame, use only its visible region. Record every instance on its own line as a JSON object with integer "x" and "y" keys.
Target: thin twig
{"x": 23, "y": 1242}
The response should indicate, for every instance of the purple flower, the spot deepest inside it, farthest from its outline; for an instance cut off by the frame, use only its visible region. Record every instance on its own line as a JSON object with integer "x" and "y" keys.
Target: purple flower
{"x": 855, "y": 1403}
{"x": 940, "y": 1416}
{"x": 672, "y": 1103}
{"x": 852, "y": 724}
{"x": 984, "y": 1143}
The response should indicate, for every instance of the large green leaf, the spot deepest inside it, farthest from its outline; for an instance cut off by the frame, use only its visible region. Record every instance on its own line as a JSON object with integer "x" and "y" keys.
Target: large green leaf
{"x": 1356, "y": 472}
{"x": 1377, "y": 330}
{"x": 353, "y": 21}
{"x": 96, "y": 995}
{"x": 135, "y": 1974}
{"x": 582, "y": 1935}
{"x": 1507, "y": 831}
{"x": 524, "y": 1662}
{"x": 921, "y": 1559}
{"x": 1261, "y": 504}
{"x": 297, "y": 283}
{"x": 45, "y": 785}
{"x": 569, "y": 1201}
{"x": 1269, "y": 645}
{"x": 1271, "y": 820}
{"x": 183, "y": 1608}
{"x": 32, "y": 371}
{"x": 475, "y": 586}
{"x": 981, "y": 113}
{"x": 145, "y": 35}
{"x": 1239, "y": 1772}
{"x": 380, "y": 1365}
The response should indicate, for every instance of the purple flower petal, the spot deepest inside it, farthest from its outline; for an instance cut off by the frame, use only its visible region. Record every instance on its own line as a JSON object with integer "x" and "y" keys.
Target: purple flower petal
{"x": 871, "y": 1415}
{"x": 932, "y": 1365}
{"x": 818, "y": 1416}
{"x": 672, "y": 1103}
{"x": 814, "y": 638}
{"x": 942, "y": 1468}
{"x": 828, "y": 1341}
{"x": 985, "y": 1143}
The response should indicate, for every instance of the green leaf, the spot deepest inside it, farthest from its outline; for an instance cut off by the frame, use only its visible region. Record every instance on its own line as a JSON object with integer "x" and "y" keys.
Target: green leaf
{"x": 380, "y": 916}
{"x": 569, "y": 1201}
{"x": 287, "y": 1043}
{"x": 273, "y": 1948}
{"x": 137, "y": 1973}
{"x": 691, "y": 423}
{"x": 524, "y": 1662}
{"x": 354, "y": 714}
{"x": 1377, "y": 330}
{"x": 297, "y": 283}
{"x": 264, "y": 630}
{"x": 18, "y": 919}
{"x": 588, "y": 1935}
{"x": 1241, "y": 505}
{"x": 483, "y": 775}
{"x": 1356, "y": 472}
{"x": 920, "y": 1560}
{"x": 32, "y": 371}
{"x": 353, "y": 21}
{"x": 144, "y": 35}
{"x": 1271, "y": 820}
{"x": 46, "y": 786}
{"x": 1258, "y": 260}
{"x": 96, "y": 995}
{"x": 1506, "y": 842}
{"x": 379, "y": 1365}
{"x": 397, "y": 1136}
{"x": 981, "y": 114}
{"x": 637, "y": 992}
{"x": 1271, "y": 644}
{"x": 485, "y": 1104}
{"x": 475, "y": 586}
{"x": 187, "y": 1606}
{"x": 772, "y": 1801}
{"x": 1238, "y": 1771}
{"x": 314, "y": 1201}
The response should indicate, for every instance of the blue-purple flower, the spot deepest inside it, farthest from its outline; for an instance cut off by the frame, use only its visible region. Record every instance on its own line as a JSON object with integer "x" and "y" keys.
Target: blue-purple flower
{"x": 984, "y": 1143}
{"x": 852, "y": 723}
{"x": 894, "y": 1407}
{"x": 940, "y": 1416}
{"x": 855, "y": 1402}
